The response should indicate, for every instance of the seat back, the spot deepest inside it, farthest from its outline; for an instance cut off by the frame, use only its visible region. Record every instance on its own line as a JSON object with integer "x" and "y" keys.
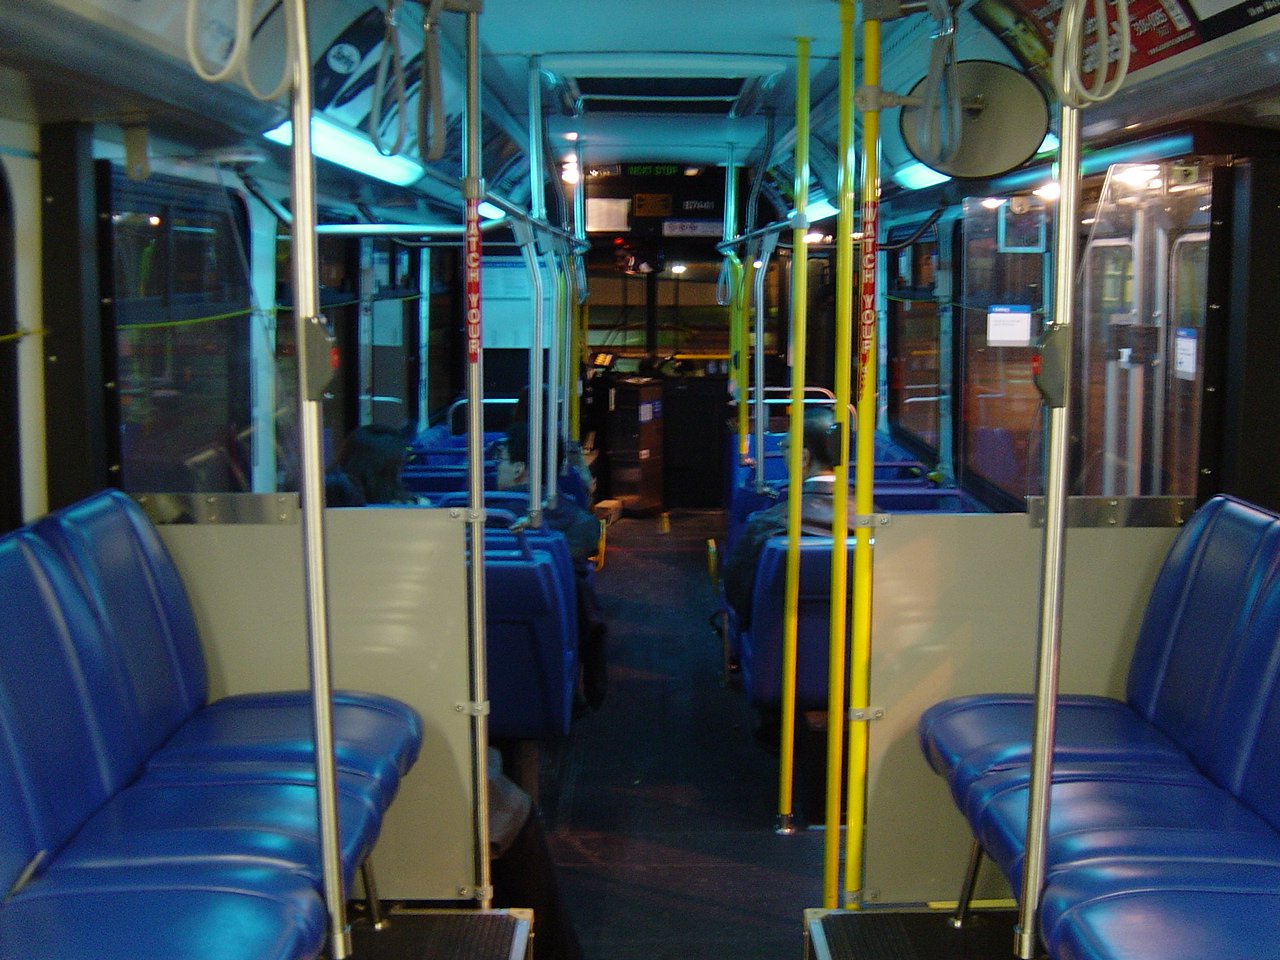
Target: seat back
{"x": 53, "y": 752}
{"x": 1199, "y": 649}
{"x": 1259, "y": 720}
{"x": 531, "y": 643}
{"x": 144, "y": 615}
{"x": 761, "y": 654}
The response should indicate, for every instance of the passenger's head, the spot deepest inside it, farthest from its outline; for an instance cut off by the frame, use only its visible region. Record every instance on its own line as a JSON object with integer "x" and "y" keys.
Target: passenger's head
{"x": 819, "y": 454}
{"x": 372, "y": 457}
{"x": 513, "y": 457}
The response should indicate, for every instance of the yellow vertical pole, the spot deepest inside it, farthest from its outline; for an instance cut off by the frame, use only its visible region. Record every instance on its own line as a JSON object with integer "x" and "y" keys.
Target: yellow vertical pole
{"x": 578, "y": 331}
{"x": 736, "y": 347}
{"x": 741, "y": 315}
{"x": 860, "y": 651}
{"x": 840, "y": 488}
{"x": 799, "y": 319}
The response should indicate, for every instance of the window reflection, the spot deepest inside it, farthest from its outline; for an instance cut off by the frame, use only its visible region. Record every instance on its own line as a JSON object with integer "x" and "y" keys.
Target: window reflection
{"x": 181, "y": 313}
{"x": 999, "y": 314}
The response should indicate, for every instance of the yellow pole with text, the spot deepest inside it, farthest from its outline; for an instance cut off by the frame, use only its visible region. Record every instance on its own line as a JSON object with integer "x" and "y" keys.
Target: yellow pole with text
{"x": 799, "y": 320}
{"x": 741, "y": 319}
{"x": 839, "y": 637}
{"x": 860, "y": 651}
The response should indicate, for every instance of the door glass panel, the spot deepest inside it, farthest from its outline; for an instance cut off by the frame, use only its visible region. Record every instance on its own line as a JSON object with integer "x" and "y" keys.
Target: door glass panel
{"x": 1140, "y": 343}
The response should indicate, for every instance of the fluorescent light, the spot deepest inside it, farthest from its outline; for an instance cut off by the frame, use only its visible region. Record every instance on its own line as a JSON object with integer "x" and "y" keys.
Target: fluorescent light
{"x": 345, "y": 147}
{"x": 489, "y": 211}
{"x": 1050, "y": 142}
{"x": 916, "y": 176}
{"x": 1048, "y": 191}
{"x": 820, "y": 209}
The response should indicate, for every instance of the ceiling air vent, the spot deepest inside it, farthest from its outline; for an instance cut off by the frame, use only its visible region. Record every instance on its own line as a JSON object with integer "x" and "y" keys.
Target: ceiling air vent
{"x": 716, "y": 96}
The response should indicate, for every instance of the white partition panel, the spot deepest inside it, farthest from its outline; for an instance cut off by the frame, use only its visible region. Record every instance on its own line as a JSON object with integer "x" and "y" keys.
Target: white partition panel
{"x": 955, "y": 612}
{"x": 398, "y": 608}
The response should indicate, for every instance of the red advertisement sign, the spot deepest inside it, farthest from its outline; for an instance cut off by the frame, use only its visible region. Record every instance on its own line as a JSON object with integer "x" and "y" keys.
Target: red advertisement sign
{"x": 475, "y": 336}
{"x": 1158, "y": 29}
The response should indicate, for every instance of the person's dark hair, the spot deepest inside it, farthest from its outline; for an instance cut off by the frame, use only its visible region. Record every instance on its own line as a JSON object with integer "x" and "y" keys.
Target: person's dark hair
{"x": 372, "y": 456}
{"x": 819, "y": 436}
{"x": 518, "y": 442}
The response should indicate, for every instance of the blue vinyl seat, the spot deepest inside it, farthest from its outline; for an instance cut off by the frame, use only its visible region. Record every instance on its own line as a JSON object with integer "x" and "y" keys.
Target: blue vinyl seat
{"x": 760, "y": 647}
{"x": 1160, "y": 911}
{"x": 532, "y": 642}
{"x": 1164, "y": 813}
{"x": 1195, "y": 621}
{"x": 164, "y": 913}
{"x": 107, "y": 853}
{"x": 148, "y": 641}
{"x": 88, "y": 799}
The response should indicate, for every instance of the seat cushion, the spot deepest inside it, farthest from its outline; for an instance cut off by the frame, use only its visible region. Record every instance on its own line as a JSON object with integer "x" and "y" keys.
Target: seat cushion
{"x": 241, "y": 822}
{"x": 1119, "y": 811}
{"x": 374, "y": 736}
{"x": 162, "y": 913}
{"x": 966, "y": 737}
{"x": 1167, "y": 922}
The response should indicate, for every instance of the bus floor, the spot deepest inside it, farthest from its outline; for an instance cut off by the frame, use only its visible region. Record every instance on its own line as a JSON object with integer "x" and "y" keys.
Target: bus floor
{"x": 660, "y": 805}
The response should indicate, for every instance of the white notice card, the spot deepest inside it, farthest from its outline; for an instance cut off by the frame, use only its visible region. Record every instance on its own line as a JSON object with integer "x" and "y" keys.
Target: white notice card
{"x": 1008, "y": 326}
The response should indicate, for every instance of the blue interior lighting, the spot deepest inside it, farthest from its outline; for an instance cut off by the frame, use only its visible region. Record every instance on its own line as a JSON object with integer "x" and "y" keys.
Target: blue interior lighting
{"x": 916, "y": 176}
{"x": 337, "y": 144}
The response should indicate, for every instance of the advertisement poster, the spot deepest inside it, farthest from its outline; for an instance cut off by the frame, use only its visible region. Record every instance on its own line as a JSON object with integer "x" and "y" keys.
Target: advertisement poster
{"x": 1159, "y": 28}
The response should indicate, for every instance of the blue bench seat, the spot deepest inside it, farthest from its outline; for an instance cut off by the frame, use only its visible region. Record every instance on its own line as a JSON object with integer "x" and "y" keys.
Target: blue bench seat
{"x": 149, "y": 647}
{"x": 129, "y": 802}
{"x": 1163, "y": 803}
{"x": 1187, "y": 658}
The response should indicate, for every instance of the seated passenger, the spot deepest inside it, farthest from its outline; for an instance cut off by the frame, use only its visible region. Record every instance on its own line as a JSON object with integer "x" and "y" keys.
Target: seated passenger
{"x": 582, "y": 533}
{"x": 580, "y": 528}
{"x": 817, "y": 461}
{"x": 576, "y": 480}
{"x": 367, "y": 470}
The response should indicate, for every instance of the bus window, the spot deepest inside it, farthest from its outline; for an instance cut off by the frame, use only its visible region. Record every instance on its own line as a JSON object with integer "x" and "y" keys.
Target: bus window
{"x": 181, "y": 314}
{"x": 999, "y": 315}
{"x": 916, "y": 384}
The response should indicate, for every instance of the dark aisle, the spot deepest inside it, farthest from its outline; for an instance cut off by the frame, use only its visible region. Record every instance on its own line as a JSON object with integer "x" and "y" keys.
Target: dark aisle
{"x": 660, "y": 806}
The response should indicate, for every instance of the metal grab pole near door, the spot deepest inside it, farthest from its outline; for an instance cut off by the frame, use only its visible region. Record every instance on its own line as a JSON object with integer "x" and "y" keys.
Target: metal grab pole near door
{"x": 1057, "y": 345}
{"x": 839, "y": 635}
{"x": 314, "y": 372}
{"x": 799, "y": 321}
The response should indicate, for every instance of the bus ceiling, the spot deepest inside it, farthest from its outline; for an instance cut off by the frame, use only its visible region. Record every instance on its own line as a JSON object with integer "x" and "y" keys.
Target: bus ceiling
{"x": 630, "y": 87}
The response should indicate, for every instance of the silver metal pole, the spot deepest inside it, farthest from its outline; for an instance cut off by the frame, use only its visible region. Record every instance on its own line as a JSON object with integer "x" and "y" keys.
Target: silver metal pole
{"x": 554, "y": 356}
{"x": 540, "y": 226}
{"x": 767, "y": 243}
{"x": 537, "y": 184}
{"x": 524, "y": 236}
{"x": 1054, "y": 555}
{"x": 418, "y": 230}
{"x": 730, "y": 199}
{"x": 314, "y": 372}
{"x": 473, "y": 192}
